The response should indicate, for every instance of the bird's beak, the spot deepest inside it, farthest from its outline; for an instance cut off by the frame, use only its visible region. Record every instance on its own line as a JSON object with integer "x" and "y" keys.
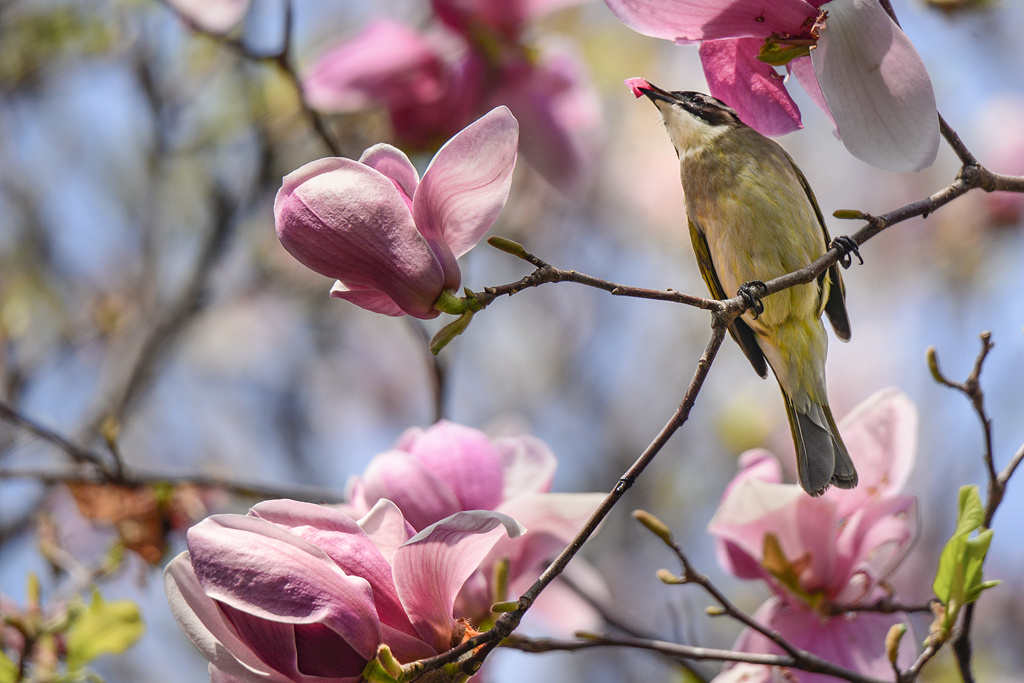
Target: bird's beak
{"x": 656, "y": 94}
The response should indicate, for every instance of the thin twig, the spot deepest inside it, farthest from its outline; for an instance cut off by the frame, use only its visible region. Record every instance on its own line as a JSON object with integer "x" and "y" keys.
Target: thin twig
{"x": 281, "y": 58}
{"x": 78, "y": 453}
{"x": 676, "y": 651}
{"x": 137, "y": 478}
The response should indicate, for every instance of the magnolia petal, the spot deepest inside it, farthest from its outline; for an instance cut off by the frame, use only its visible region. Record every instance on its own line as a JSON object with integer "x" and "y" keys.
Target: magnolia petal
{"x": 875, "y": 539}
{"x": 387, "y": 62}
{"x": 432, "y": 567}
{"x": 753, "y": 88}
{"x": 465, "y": 460}
{"x": 465, "y": 187}
{"x": 347, "y": 221}
{"x": 386, "y": 527}
{"x": 692, "y": 20}
{"x": 261, "y": 569}
{"x": 856, "y": 641}
{"x": 528, "y": 465}
{"x": 215, "y": 16}
{"x": 344, "y": 541}
{"x": 803, "y": 69}
{"x": 421, "y": 495}
{"x": 371, "y": 300}
{"x": 393, "y": 163}
{"x": 202, "y": 620}
{"x": 508, "y": 19}
{"x": 877, "y": 87}
{"x": 753, "y": 509}
{"x": 882, "y": 434}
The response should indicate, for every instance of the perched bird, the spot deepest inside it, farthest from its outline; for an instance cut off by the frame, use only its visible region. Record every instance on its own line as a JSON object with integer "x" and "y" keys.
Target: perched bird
{"x": 753, "y": 217}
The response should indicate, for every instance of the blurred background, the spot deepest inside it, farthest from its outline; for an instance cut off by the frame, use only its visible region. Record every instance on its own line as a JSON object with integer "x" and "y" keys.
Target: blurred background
{"x": 146, "y": 306}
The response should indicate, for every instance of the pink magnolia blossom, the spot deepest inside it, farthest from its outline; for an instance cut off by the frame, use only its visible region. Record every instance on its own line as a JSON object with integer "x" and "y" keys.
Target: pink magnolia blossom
{"x": 436, "y": 472}
{"x": 432, "y": 83}
{"x": 388, "y": 237}
{"x": 428, "y": 95}
{"x": 215, "y": 16}
{"x": 862, "y": 69}
{"x": 295, "y": 593}
{"x": 817, "y": 553}
{"x": 499, "y": 19}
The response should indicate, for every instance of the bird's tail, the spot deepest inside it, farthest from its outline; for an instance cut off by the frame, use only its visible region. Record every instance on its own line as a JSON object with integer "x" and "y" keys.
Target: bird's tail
{"x": 821, "y": 456}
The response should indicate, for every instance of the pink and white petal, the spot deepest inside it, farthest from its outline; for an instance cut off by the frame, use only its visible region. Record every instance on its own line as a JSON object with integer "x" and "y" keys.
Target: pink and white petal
{"x": 386, "y": 61}
{"x": 559, "y": 515}
{"x": 261, "y": 569}
{"x": 877, "y": 87}
{"x": 393, "y": 163}
{"x": 465, "y": 459}
{"x": 875, "y": 539}
{"x": 758, "y": 465}
{"x": 528, "y": 465}
{"x": 347, "y": 221}
{"x": 752, "y": 510}
{"x": 753, "y": 88}
{"x": 344, "y": 541}
{"x": 387, "y": 528}
{"x": 421, "y": 495}
{"x": 803, "y": 69}
{"x": 433, "y": 566}
{"x": 202, "y": 620}
{"x": 467, "y": 183}
{"x": 215, "y": 16}
{"x": 881, "y": 433}
{"x": 856, "y": 642}
{"x": 372, "y": 300}
{"x": 693, "y": 20}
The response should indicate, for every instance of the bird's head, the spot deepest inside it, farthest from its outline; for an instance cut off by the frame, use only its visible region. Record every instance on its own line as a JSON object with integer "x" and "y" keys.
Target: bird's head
{"x": 693, "y": 119}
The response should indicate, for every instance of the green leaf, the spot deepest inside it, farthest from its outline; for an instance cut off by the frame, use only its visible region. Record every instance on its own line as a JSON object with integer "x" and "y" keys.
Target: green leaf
{"x": 970, "y": 511}
{"x": 949, "y": 562}
{"x": 8, "y": 669}
{"x": 103, "y": 628}
{"x": 958, "y": 579}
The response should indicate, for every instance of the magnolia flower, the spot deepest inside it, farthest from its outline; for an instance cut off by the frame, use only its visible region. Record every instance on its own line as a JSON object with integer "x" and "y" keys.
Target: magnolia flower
{"x": 436, "y": 472}
{"x": 215, "y": 16}
{"x": 388, "y": 237}
{"x": 819, "y": 553}
{"x": 862, "y": 70}
{"x": 295, "y": 592}
{"x": 432, "y": 83}
{"x": 428, "y": 96}
{"x": 505, "y": 20}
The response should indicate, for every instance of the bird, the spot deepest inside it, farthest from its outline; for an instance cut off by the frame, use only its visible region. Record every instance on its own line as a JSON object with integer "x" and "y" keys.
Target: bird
{"x": 752, "y": 217}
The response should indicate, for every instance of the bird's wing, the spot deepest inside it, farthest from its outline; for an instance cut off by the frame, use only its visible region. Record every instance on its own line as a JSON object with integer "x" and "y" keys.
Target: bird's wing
{"x": 835, "y": 304}
{"x": 739, "y": 330}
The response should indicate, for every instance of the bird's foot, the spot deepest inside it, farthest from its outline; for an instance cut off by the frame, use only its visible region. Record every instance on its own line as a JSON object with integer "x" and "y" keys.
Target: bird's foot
{"x": 846, "y": 247}
{"x": 751, "y": 293}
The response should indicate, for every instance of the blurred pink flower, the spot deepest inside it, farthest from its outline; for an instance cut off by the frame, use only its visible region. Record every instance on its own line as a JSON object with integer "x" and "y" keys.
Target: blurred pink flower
{"x": 215, "y": 16}
{"x": 862, "y": 70}
{"x": 431, "y": 83}
{"x": 428, "y": 96}
{"x": 436, "y": 472}
{"x": 496, "y": 19}
{"x": 835, "y": 550}
{"x": 295, "y": 592}
{"x": 388, "y": 237}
